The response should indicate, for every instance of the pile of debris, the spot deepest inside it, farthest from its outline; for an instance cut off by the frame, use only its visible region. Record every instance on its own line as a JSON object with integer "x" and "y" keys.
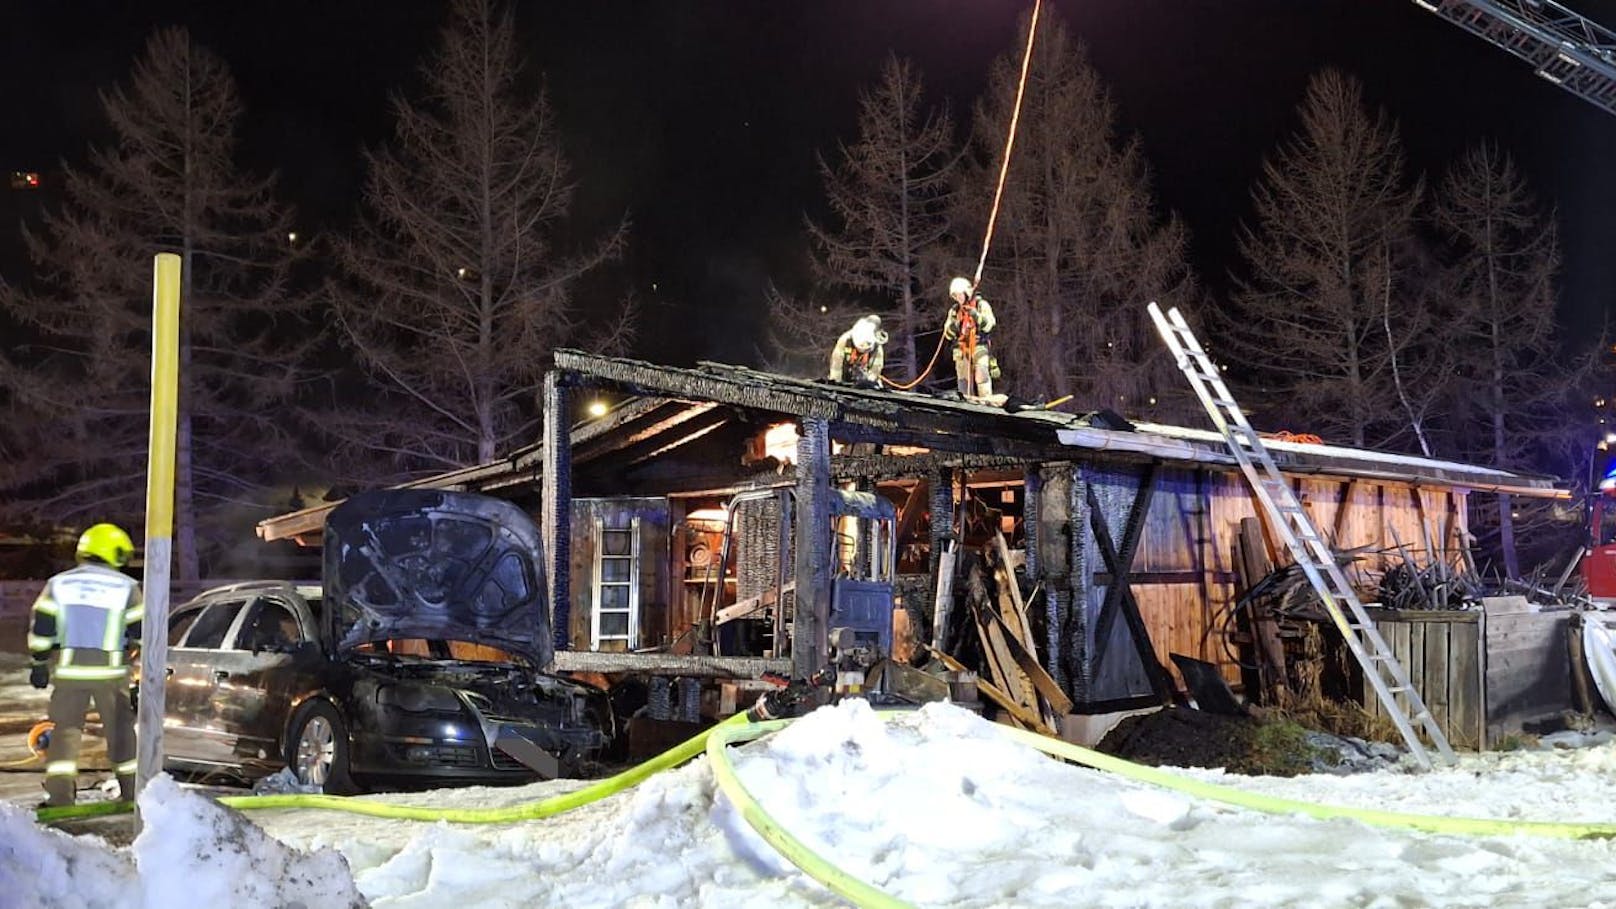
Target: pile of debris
{"x": 993, "y": 630}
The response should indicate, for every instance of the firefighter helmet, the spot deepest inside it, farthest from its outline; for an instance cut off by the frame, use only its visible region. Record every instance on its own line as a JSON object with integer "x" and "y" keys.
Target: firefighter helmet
{"x": 867, "y": 333}
{"x": 108, "y": 543}
{"x": 959, "y": 286}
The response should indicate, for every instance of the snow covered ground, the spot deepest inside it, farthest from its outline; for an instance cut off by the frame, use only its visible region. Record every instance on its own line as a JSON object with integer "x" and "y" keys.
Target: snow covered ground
{"x": 936, "y": 808}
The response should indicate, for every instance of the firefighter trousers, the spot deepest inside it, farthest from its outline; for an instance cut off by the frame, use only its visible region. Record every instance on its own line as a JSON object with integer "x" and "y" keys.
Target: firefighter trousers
{"x": 973, "y": 371}
{"x": 70, "y": 701}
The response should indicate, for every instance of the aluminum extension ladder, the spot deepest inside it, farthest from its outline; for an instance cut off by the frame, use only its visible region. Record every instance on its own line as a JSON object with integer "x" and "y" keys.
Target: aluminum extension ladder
{"x": 1390, "y": 680}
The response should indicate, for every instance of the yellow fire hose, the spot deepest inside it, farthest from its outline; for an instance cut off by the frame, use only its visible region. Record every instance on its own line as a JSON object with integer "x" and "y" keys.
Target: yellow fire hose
{"x": 526, "y": 811}
{"x": 739, "y": 729}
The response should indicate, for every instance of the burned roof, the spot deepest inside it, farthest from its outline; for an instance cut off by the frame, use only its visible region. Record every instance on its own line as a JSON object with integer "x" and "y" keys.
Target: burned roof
{"x": 672, "y": 406}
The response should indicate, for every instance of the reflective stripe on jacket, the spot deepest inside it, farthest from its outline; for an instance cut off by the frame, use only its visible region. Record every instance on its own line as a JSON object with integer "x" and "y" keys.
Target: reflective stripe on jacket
{"x": 87, "y": 614}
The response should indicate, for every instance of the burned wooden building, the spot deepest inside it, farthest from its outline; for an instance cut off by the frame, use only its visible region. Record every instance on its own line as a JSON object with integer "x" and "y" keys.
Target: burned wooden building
{"x": 722, "y": 519}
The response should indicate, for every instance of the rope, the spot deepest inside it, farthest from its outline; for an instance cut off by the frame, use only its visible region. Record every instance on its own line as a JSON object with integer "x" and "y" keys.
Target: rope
{"x": 998, "y": 197}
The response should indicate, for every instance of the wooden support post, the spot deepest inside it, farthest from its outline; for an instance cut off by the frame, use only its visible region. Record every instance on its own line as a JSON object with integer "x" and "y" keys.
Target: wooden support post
{"x": 1267, "y": 647}
{"x": 809, "y": 636}
{"x": 556, "y": 506}
{"x": 942, "y": 553}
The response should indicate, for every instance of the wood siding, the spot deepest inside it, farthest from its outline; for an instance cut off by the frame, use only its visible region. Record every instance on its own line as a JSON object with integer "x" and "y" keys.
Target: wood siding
{"x": 1184, "y": 571}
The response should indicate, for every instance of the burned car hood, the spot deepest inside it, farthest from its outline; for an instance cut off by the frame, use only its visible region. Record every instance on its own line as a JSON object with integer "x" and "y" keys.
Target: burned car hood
{"x": 426, "y": 563}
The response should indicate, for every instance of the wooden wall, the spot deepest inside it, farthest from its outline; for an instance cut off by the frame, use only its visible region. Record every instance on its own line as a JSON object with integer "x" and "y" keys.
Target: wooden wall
{"x": 1184, "y": 570}
{"x": 654, "y": 575}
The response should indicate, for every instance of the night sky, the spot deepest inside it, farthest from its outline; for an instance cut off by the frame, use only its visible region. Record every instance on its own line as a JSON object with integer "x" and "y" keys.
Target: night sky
{"x": 702, "y": 119}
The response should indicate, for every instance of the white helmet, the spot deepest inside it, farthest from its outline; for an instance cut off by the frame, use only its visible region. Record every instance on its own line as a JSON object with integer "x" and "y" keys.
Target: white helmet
{"x": 959, "y": 286}
{"x": 867, "y": 332}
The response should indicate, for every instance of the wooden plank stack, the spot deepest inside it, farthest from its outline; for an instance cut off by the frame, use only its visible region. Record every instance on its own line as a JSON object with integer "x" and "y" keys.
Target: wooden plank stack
{"x": 1011, "y": 675}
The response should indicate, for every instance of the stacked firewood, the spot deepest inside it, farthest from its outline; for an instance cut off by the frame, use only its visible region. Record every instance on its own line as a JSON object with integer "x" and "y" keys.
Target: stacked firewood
{"x": 996, "y": 621}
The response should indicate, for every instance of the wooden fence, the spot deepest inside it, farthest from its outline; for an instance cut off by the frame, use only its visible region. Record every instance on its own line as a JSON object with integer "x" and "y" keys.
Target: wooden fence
{"x": 1485, "y": 674}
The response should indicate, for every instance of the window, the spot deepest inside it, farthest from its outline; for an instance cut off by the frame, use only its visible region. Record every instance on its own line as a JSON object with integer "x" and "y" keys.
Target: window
{"x": 212, "y": 624}
{"x": 179, "y": 623}
{"x": 272, "y": 627}
{"x": 616, "y": 613}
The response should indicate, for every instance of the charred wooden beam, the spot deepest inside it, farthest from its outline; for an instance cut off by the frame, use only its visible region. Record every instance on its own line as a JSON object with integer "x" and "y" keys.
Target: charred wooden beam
{"x": 623, "y": 414}
{"x": 809, "y": 636}
{"x": 707, "y": 422}
{"x": 624, "y": 436}
{"x": 651, "y": 379}
{"x": 556, "y": 507}
{"x": 972, "y": 436}
{"x": 884, "y": 467}
{"x": 1119, "y": 594}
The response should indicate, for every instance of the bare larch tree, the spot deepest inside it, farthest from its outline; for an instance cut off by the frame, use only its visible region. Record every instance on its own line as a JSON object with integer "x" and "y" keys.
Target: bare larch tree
{"x": 1334, "y": 213}
{"x": 889, "y": 193}
{"x": 1511, "y": 390}
{"x": 168, "y": 182}
{"x": 455, "y": 285}
{"x": 1079, "y": 249}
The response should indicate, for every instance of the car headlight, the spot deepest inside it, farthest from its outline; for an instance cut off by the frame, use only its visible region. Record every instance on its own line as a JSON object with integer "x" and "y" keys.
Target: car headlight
{"x": 418, "y": 698}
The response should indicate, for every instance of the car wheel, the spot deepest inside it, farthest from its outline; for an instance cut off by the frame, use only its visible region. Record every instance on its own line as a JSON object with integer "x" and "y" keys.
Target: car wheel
{"x": 317, "y": 750}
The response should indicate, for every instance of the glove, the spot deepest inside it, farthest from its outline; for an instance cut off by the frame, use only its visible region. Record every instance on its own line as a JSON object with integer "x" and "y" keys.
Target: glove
{"x": 39, "y": 676}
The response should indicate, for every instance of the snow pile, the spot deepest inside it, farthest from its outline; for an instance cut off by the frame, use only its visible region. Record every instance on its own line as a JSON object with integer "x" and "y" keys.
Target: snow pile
{"x": 190, "y": 852}
{"x": 41, "y": 867}
{"x": 936, "y": 808}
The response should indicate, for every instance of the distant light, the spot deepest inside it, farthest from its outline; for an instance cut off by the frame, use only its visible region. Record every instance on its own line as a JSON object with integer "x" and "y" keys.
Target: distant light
{"x": 1610, "y": 438}
{"x": 823, "y": 309}
{"x": 24, "y": 179}
{"x": 460, "y": 272}
{"x": 291, "y": 237}
{"x": 598, "y": 408}
{"x": 1152, "y": 402}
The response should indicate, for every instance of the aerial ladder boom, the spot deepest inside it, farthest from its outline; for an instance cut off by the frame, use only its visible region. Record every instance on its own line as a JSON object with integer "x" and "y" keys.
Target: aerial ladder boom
{"x": 1566, "y": 48}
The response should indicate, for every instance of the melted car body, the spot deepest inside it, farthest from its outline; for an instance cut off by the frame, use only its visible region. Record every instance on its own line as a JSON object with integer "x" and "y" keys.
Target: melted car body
{"x": 419, "y": 662}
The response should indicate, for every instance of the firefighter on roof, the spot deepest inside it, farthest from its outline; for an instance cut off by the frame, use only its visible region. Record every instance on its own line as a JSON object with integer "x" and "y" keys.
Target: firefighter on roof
{"x": 857, "y": 358}
{"x": 970, "y": 323}
{"x": 86, "y": 618}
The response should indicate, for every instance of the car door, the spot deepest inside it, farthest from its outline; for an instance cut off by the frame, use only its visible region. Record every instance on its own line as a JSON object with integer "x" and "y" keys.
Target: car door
{"x": 266, "y": 665}
{"x": 188, "y": 721}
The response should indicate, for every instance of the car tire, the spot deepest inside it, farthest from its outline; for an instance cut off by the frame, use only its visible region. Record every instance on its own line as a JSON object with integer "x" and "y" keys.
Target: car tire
{"x": 317, "y": 749}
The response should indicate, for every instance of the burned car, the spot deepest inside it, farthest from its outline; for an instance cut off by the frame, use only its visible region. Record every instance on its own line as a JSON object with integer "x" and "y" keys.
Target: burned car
{"x": 419, "y": 662}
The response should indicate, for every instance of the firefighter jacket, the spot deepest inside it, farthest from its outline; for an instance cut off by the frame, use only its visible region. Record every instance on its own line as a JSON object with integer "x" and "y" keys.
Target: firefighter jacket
{"x": 974, "y": 321}
{"x": 86, "y": 615}
{"x": 849, "y": 364}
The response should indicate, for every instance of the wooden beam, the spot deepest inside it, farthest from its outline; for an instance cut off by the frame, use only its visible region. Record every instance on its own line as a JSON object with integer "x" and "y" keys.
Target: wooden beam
{"x": 1025, "y": 716}
{"x": 624, "y": 436}
{"x": 656, "y": 447}
{"x": 619, "y": 416}
{"x": 1040, "y": 678}
{"x": 556, "y": 507}
{"x": 1340, "y": 525}
{"x": 809, "y": 637}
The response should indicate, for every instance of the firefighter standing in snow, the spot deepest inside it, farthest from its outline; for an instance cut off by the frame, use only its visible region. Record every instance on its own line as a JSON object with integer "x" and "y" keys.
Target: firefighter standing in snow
{"x": 87, "y": 616}
{"x": 858, "y": 357}
{"x": 970, "y": 322}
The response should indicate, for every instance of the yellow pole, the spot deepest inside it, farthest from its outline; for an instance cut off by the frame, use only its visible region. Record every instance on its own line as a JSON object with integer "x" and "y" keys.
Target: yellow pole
{"x": 159, "y": 514}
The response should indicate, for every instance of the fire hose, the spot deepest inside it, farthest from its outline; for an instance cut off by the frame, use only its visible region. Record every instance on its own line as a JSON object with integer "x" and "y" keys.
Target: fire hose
{"x": 763, "y": 719}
